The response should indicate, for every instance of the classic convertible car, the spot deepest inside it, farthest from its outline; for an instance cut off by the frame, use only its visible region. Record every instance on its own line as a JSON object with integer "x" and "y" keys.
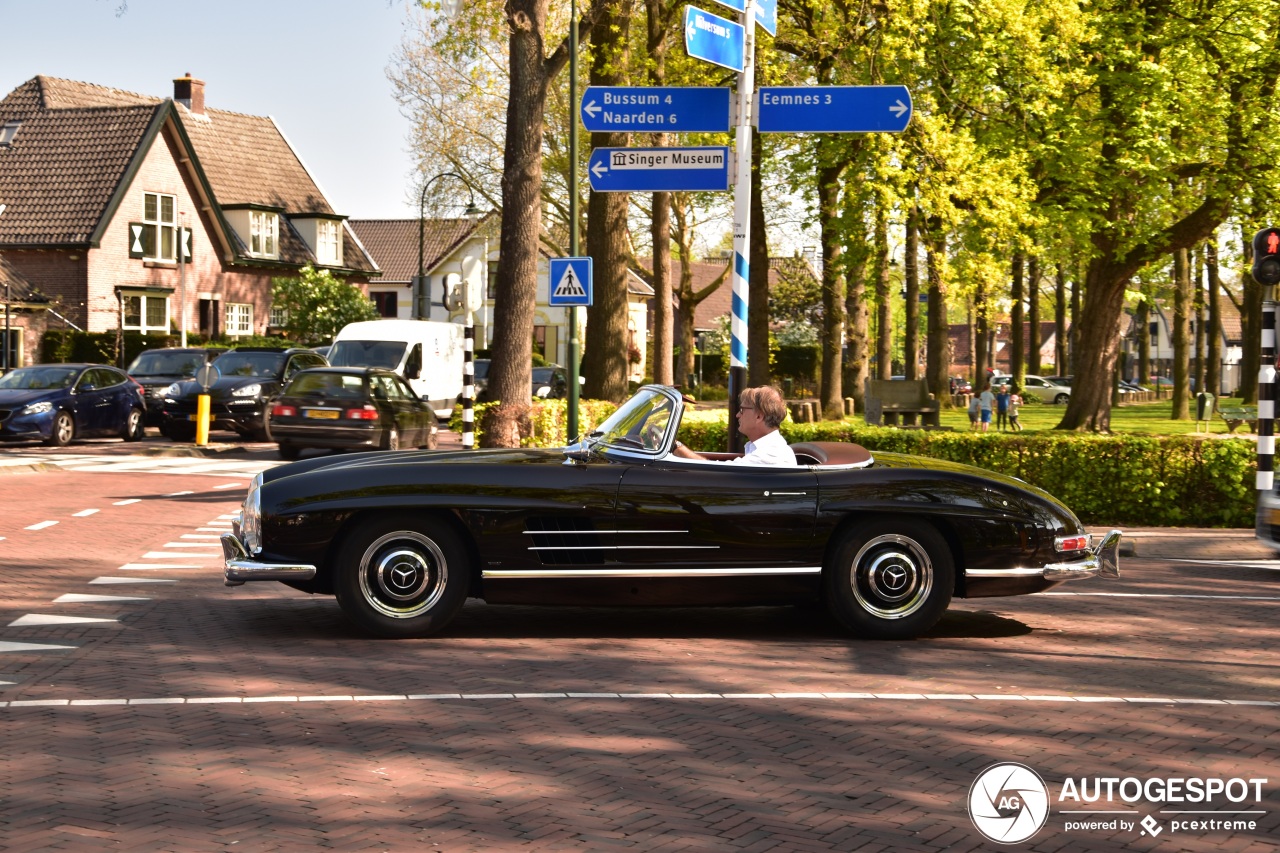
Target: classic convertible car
{"x": 886, "y": 542}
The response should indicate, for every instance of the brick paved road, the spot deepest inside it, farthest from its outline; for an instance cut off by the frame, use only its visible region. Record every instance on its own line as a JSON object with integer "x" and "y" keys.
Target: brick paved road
{"x": 255, "y": 718}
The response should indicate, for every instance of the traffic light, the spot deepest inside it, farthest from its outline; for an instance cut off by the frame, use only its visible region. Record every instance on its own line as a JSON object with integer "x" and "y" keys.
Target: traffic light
{"x": 1266, "y": 256}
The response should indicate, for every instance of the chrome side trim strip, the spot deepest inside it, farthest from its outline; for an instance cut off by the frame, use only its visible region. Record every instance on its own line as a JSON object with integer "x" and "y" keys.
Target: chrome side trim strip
{"x": 542, "y": 574}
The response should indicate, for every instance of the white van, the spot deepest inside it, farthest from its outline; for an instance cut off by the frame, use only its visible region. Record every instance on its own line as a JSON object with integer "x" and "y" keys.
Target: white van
{"x": 427, "y": 353}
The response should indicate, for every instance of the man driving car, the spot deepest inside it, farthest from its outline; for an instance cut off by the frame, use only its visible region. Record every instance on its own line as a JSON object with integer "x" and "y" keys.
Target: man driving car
{"x": 760, "y": 411}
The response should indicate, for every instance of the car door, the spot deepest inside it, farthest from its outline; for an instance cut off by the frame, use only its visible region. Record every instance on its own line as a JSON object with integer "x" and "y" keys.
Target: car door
{"x": 398, "y": 397}
{"x": 93, "y": 402}
{"x": 716, "y": 516}
{"x": 418, "y": 415}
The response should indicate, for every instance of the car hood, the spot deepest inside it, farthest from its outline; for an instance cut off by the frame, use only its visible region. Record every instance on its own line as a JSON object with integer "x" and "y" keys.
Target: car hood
{"x": 363, "y": 462}
{"x": 14, "y": 397}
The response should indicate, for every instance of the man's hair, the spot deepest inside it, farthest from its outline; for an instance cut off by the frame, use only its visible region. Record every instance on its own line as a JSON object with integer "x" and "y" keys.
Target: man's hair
{"x": 766, "y": 400}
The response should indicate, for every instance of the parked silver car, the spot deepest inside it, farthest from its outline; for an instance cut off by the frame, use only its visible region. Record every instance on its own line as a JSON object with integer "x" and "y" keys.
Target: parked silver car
{"x": 1049, "y": 389}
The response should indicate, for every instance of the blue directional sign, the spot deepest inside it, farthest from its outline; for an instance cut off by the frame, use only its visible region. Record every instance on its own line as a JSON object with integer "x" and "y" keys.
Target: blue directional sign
{"x": 833, "y": 109}
{"x": 654, "y": 170}
{"x": 569, "y": 281}
{"x": 710, "y": 37}
{"x": 695, "y": 109}
{"x": 766, "y": 12}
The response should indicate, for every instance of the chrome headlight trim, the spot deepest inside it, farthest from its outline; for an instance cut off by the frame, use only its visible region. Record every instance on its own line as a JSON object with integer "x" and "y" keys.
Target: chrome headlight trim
{"x": 38, "y": 408}
{"x": 248, "y": 390}
{"x": 251, "y": 517}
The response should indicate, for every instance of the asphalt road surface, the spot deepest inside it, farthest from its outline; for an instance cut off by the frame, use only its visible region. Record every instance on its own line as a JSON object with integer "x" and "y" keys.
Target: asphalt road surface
{"x": 146, "y": 706}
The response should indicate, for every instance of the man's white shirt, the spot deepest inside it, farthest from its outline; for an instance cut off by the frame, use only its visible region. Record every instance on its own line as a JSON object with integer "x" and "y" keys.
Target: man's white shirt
{"x": 770, "y": 449}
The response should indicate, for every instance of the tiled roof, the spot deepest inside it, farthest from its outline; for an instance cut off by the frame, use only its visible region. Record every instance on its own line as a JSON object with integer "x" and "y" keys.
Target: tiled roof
{"x": 393, "y": 243}
{"x": 77, "y": 138}
{"x": 962, "y": 349}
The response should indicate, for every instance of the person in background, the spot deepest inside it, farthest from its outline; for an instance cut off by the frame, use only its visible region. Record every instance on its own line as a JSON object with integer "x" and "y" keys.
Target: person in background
{"x": 974, "y": 409}
{"x": 986, "y": 402}
{"x": 1002, "y": 408}
{"x": 1015, "y": 401}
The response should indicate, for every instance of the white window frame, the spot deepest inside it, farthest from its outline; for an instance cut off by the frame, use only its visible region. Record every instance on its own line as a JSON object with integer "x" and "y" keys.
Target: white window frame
{"x": 264, "y": 233}
{"x": 278, "y": 317}
{"x": 328, "y": 242}
{"x": 161, "y": 227}
{"x": 144, "y": 301}
{"x": 237, "y": 319}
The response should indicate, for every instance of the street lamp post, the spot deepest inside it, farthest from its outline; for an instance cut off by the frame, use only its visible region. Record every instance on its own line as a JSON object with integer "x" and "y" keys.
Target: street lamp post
{"x": 421, "y": 303}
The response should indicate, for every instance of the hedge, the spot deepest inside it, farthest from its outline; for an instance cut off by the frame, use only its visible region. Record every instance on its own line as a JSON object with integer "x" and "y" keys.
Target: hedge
{"x": 1134, "y": 480}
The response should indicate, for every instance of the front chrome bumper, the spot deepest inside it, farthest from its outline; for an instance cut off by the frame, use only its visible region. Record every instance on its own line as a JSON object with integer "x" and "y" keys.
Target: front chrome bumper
{"x": 1103, "y": 560}
{"x": 239, "y": 568}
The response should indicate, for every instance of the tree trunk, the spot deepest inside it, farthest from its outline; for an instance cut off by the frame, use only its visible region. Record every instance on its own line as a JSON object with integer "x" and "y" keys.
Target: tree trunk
{"x": 1213, "y": 354}
{"x": 1017, "y": 346}
{"x": 833, "y": 288}
{"x": 856, "y": 367}
{"x": 1096, "y": 328}
{"x": 660, "y": 228}
{"x": 1060, "y": 322}
{"x": 884, "y": 320}
{"x": 607, "y": 340}
{"x": 981, "y": 333}
{"x": 1181, "y": 322}
{"x": 758, "y": 281}
{"x": 1033, "y": 316}
{"x": 1142, "y": 317}
{"x": 1073, "y": 343}
{"x": 1198, "y": 318}
{"x": 938, "y": 340}
{"x": 1250, "y": 321}
{"x": 911, "y": 286}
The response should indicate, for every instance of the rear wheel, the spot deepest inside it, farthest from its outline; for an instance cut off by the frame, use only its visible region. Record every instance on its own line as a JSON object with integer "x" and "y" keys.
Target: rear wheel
{"x": 1062, "y": 399}
{"x": 133, "y": 429}
{"x": 401, "y": 576}
{"x": 64, "y": 429}
{"x": 890, "y": 578}
{"x": 391, "y": 439}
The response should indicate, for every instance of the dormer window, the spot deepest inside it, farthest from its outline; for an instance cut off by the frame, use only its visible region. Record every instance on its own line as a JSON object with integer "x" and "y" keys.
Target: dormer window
{"x": 329, "y": 242}
{"x": 264, "y": 233}
{"x": 8, "y": 132}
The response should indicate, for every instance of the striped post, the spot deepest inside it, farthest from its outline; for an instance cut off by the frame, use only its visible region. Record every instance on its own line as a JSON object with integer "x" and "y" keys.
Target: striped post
{"x": 1267, "y": 396}
{"x": 468, "y": 385}
{"x": 741, "y": 226}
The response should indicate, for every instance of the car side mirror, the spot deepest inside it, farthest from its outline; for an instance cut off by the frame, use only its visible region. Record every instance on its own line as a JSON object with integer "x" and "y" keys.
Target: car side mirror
{"x": 412, "y": 372}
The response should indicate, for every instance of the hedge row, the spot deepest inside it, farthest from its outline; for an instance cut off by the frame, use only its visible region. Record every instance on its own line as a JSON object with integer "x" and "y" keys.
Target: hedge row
{"x": 1155, "y": 481}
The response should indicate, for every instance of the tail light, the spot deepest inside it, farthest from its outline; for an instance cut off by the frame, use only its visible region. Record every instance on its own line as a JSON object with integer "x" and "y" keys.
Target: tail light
{"x": 1068, "y": 544}
{"x": 365, "y": 413}
{"x": 280, "y": 410}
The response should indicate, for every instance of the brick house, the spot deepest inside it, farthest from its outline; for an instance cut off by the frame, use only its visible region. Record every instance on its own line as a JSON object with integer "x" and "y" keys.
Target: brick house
{"x": 100, "y": 188}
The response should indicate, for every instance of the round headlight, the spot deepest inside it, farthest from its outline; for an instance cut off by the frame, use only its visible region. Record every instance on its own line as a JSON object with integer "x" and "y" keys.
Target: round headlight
{"x": 248, "y": 391}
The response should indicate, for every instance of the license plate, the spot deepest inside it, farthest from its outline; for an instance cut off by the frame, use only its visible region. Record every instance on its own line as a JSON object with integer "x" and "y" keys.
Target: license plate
{"x": 323, "y": 414}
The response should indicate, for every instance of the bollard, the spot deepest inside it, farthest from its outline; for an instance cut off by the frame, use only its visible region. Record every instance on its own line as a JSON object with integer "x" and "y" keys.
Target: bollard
{"x": 202, "y": 420}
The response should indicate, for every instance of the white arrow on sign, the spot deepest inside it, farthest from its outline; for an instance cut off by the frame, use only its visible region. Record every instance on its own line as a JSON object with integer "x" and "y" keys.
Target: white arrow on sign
{"x": 599, "y": 169}
{"x": 590, "y": 108}
{"x": 899, "y": 109}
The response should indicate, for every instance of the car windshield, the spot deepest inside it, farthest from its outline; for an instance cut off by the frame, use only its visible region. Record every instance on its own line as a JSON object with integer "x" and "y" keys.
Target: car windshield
{"x": 482, "y": 368}
{"x": 167, "y": 364}
{"x": 319, "y": 384}
{"x": 367, "y": 354}
{"x": 542, "y": 375}
{"x": 264, "y": 364}
{"x": 641, "y": 423}
{"x": 39, "y": 378}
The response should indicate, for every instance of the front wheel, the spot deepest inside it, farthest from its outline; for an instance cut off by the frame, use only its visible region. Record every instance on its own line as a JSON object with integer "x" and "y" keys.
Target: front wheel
{"x": 1062, "y": 399}
{"x": 391, "y": 439}
{"x": 64, "y": 429}
{"x": 401, "y": 576}
{"x": 890, "y": 579}
{"x": 133, "y": 429}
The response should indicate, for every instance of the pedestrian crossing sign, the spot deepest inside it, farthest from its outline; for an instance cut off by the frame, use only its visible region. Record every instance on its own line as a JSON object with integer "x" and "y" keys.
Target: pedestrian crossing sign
{"x": 570, "y": 281}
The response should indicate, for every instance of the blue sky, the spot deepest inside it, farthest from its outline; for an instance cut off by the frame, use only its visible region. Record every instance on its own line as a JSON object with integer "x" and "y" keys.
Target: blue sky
{"x": 317, "y": 66}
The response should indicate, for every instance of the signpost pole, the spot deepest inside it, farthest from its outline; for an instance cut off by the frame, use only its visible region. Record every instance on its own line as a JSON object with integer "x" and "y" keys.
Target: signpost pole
{"x": 571, "y": 417}
{"x": 741, "y": 228}
{"x": 1267, "y": 393}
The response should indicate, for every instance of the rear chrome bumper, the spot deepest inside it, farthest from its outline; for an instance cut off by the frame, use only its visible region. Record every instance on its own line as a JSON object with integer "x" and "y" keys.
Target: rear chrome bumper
{"x": 1103, "y": 561}
{"x": 239, "y": 568}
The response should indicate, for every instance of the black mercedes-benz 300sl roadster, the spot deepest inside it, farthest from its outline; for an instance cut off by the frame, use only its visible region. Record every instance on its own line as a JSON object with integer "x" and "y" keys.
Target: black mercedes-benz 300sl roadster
{"x": 886, "y": 542}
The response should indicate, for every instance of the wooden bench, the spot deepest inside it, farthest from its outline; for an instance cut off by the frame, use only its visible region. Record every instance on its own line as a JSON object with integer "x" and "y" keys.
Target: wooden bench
{"x": 1236, "y": 416}
{"x": 886, "y": 399}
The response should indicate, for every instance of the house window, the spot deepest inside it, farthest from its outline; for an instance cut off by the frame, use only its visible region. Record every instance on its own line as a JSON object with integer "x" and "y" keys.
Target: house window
{"x": 11, "y": 340}
{"x": 239, "y": 319}
{"x": 8, "y": 132}
{"x": 279, "y": 317}
{"x": 328, "y": 242}
{"x": 145, "y": 312}
{"x": 385, "y": 302}
{"x": 159, "y": 227}
{"x": 264, "y": 232}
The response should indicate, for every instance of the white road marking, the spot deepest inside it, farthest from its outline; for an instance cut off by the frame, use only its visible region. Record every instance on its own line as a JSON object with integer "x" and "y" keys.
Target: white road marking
{"x": 41, "y": 526}
{"x": 110, "y": 580}
{"x": 173, "y": 555}
{"x": 627, "y": 697}
{"x": 51, "y": 619}
{"x": 1165, "y": 595}
{"x": 146, "y": 567}
{"x": 84, "y": 513}
{"x": 192, "y": 545}
{"x": 127, "y": 501}
{"x": 199, "y": 535}
{"x": 30, "y": 647}
{"x": 179, "y": 494}
{"x": 81, "y": 598}
{"x": 230, "y": 486}
{"x": 1273, "y": 565}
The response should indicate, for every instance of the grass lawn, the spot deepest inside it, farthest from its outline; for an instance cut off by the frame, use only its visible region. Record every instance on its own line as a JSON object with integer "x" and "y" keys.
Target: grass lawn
{"x": 1143, "y": 418}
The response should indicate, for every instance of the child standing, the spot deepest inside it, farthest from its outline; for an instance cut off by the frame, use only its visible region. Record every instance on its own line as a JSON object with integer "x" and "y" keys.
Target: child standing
{"x": 1002, "y": 408}
{"x": 986, "y": 401}
{"x": 1014, "y": 402}
{"x": 973, "y": 411}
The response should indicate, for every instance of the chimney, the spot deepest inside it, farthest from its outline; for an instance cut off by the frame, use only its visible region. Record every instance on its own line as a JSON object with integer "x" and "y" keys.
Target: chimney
{"x": 189, "y": 92}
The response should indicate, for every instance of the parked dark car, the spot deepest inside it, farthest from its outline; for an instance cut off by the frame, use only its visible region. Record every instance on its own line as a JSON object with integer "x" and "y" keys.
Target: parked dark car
{"x": 249, "y": 377}
{"x": 886, "y": 542}
{"x": 156, "y": 369}
{"x": 56, "y": 403}
{"x": 349, "y": 408}
{"x": 550, "y": 381}
{"x": 960, "y": 385}
{"x": 481, "y": 368}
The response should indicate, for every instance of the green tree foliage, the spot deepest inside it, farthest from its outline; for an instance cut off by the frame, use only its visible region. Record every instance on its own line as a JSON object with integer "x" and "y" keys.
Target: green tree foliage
{"x": 317, "y": 304}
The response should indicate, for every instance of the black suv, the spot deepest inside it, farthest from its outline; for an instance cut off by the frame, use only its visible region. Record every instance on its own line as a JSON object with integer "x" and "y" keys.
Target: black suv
{"x": 156, "y": 369}
{"x": 249, "y": 377}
